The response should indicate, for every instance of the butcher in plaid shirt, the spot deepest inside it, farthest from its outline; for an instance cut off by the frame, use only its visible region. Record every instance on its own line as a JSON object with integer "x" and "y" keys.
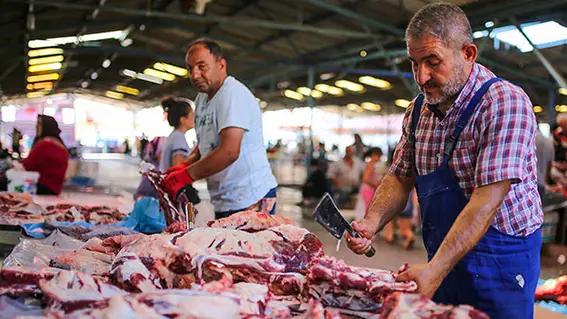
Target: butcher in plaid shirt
{"x": 468, "y": 147}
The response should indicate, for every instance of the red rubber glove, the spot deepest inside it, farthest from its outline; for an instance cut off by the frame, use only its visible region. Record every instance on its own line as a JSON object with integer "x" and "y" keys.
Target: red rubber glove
{"x": 176, "y": 181}
{"x": 172, "y": 169}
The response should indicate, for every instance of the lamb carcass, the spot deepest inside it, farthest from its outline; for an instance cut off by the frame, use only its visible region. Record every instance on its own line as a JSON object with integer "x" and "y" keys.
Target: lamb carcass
{"x": 277, "y": 256}
{"x": 339, "y": 285}
{"x": 415, "y": 306}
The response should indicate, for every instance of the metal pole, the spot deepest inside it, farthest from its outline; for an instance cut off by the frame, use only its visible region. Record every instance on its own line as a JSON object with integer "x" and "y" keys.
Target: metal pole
{"x": 551, "y": 109}
{"x": 311, "y": 105}
{"x": 550, "y": 68}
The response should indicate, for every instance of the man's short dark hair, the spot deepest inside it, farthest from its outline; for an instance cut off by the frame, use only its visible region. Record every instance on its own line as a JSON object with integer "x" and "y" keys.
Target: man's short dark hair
{"x": 211, "y": 45}
{"x": 444, "y": 21}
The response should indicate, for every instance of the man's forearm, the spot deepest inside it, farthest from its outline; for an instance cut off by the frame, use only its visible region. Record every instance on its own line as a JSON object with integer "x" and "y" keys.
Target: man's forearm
{"x": 194, "y": 157}
{"x": 390, "y": 199}
{"x": 214, "y": 162}
{"x": 470, "y": 226}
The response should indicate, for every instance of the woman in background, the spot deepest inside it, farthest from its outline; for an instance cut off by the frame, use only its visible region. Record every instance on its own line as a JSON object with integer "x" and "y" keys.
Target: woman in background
{"x": 181, "y": 117}
{"x": 374, "y": 172}
{"x": 48, "y": 156}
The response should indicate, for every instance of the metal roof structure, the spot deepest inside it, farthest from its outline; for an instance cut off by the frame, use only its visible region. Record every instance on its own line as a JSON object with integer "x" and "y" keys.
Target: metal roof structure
{"x": 270, "y": 45}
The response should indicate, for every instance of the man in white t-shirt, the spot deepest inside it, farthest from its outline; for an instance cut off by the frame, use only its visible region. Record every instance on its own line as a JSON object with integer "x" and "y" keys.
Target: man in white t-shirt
{"x": 345, "y": 176}
{"x": 230, "y": 150}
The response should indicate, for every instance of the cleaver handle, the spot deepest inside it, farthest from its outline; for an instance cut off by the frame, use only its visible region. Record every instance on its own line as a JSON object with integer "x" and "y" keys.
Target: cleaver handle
{"x": 371, "y": 252}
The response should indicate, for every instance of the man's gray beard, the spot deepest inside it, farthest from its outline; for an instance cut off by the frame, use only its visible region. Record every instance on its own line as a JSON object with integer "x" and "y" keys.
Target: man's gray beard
{"x": 451, "y": 88}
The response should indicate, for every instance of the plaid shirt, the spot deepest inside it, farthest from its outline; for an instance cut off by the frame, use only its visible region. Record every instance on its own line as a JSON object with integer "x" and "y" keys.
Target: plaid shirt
{"x": 497, "y": 144}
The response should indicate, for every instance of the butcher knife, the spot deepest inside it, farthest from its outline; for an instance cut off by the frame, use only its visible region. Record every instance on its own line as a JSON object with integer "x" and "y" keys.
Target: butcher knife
{"x": 186, "y": 208}
{"x": 328, "y": 215}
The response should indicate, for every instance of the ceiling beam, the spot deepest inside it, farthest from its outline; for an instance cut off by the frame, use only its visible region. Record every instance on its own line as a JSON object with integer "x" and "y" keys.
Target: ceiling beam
{"x": 371, "y": 22}
{"x": 210, "y": 18}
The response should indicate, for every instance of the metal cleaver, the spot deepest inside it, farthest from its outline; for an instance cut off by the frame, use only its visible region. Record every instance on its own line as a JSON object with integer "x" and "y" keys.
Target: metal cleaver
{"x": 327, "y": 214}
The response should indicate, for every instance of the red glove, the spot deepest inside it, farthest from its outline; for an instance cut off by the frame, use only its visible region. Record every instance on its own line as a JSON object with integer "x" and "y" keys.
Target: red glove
{"x": 176, "y": 181}
{"x": 172, "y": 169}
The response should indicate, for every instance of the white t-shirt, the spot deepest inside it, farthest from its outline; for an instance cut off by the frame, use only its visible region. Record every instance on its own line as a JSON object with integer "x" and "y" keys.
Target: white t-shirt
{"x": 250, "y": 177}
{"x": 349, "y": 177}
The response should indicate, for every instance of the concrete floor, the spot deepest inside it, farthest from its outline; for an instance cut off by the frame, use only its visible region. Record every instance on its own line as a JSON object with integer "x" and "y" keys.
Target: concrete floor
{"x": 122, "y": 175}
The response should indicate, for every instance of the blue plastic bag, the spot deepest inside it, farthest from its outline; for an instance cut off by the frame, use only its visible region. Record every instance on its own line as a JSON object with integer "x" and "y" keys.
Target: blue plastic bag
{"x": 146, "y": 217}
{"x": 42, "y": 230}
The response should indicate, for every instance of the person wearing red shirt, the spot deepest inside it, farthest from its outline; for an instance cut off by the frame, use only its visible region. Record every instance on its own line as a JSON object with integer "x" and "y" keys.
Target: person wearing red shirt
{"x": 48, "y": 157}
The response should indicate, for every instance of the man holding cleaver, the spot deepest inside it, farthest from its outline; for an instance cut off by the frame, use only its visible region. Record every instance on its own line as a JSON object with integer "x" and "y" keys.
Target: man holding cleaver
{"x": 468, "y": 147}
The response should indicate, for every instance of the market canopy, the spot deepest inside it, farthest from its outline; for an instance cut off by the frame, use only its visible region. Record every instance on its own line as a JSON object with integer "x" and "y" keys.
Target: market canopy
{"x": 346, "y": 53}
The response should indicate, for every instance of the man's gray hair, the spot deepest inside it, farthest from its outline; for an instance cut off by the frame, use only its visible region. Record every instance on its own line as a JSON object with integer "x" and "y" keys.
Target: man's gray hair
{"x": 445, "y": 21}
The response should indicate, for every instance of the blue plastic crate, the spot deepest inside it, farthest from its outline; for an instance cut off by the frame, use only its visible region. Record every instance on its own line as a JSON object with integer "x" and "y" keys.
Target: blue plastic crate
{"x": 82, "y": 181}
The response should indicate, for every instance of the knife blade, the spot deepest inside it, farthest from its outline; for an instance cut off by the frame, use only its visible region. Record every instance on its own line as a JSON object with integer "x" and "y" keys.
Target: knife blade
{"x": 328, "y": 215}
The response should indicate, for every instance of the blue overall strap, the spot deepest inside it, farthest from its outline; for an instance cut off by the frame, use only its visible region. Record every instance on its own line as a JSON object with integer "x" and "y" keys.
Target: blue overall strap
{"x": 451, "y": 141}
{"x": 414, "y": 119}
{"x": 415, "y": 116}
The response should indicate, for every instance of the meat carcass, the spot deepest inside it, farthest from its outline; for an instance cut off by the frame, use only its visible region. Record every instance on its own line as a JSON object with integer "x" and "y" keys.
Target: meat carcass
{"x": 250, "y": 221}
{"x": 415, "y": 306}
{"x": 339, "y": 285}
{"x": 553, "y": 290}
{"x": 71, "y": 290}
{"x": 277, "y": 256}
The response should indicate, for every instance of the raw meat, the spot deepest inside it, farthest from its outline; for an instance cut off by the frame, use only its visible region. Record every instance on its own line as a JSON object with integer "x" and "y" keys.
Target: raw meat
{"x": 91, "y": 214}
{"x": 415, "y": 306}
{"x": 130, "y": 273}
{"x": 250, "y": 221}
{"x": 233, "y": 301}
{"x": 16, "y": 209}
{"x": 71, "y": 290}
{"x": 16, "y": 282}
{"x": 339, "y": 285}
{"x": 89, "y": 262}
{"x": 553, "y": 290}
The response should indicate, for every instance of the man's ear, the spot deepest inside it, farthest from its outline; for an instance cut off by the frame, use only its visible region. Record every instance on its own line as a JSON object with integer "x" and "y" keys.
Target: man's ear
{"x": 223, "y": 64}
{"x": 470, "y": 52}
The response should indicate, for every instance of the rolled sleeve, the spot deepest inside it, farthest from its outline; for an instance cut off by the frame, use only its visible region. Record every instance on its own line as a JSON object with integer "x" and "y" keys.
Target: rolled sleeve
{"x": 402, "y": 164}
{"x": 507, "y": 137}
{"x": 179, "y": 145}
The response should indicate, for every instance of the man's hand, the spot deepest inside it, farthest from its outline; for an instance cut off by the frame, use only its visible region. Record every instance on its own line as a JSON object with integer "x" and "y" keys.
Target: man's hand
{"x": 176, "y": 181}
{"x": 367, "y": 228}
{"x": 175, "y": 168}
{"x": 428, "y": 278}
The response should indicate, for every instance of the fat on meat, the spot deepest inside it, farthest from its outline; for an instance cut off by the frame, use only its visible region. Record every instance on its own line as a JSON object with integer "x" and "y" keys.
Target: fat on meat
{"x": 250, "y": 221}
{"x": 71, "y": 290}
{"x": 88, "y": 262}
{"x": 416, "y": 306}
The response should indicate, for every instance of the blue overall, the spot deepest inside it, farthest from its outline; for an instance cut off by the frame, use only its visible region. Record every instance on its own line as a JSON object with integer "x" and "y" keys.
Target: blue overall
{"x": 499, "y": 275}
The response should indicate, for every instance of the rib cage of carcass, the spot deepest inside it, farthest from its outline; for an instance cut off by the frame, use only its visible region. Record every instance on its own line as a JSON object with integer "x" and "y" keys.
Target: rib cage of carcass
{"x": 171, "y": 212}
